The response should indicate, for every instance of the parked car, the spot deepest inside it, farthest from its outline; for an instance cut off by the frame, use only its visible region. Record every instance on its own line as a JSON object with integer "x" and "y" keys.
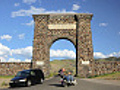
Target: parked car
{"x": 27, "y": 78}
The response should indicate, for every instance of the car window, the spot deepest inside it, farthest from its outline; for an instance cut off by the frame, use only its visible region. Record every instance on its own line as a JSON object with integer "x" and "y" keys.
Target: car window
{"x": 32, "y": 73}
{"x": 22, "y": 74}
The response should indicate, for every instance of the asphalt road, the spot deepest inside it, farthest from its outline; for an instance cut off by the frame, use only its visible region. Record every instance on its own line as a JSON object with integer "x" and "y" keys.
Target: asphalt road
{"x": 83, "y": 84}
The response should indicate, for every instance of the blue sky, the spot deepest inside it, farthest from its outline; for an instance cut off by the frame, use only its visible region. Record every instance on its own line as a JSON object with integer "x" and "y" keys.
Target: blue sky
{"x": 17, "y": 27}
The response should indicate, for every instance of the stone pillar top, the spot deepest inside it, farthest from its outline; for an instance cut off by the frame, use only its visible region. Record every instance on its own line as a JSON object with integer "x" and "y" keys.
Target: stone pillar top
{"x": 79, "y": 15}
{"x": 44, "y": 14}
{"x": 57, "y": 14}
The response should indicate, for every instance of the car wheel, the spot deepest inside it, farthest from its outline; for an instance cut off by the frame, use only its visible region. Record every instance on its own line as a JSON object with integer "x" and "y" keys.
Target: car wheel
{"x": 41, "y": 80}
{"x": 64, "y": 84}
{"x": 12, "y": 86}
{"x": 29, "y": 83}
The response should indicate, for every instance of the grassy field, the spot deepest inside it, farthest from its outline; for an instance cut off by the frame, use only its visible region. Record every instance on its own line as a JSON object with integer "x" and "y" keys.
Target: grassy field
{"x": 109, "y": 59}
{"x": 56, "y": 65}
{"x": 6, "y": 77}
{"x": 4, "y": 81}
{"x": 112, "y": 76}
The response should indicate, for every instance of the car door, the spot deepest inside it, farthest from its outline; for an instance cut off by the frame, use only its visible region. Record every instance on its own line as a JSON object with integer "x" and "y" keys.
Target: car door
{"x": 41, "y": 74}
{"x": 33, "y": 76}
{"x": 37, "y": 76}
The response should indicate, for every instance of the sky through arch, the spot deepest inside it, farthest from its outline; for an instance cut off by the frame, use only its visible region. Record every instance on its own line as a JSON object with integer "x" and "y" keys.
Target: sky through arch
{"x": 62, "y": 49}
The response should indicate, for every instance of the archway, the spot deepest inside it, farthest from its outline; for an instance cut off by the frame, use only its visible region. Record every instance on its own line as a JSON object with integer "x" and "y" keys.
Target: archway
{"x": 75, "y": 27}
{"x": 62, "y": 55}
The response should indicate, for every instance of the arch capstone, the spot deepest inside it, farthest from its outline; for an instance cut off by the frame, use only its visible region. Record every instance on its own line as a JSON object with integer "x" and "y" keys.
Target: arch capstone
{"x": 76, "y": 27}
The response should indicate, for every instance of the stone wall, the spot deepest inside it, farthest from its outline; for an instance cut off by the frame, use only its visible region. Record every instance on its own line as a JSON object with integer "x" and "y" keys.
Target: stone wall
{"x": 106, "y": 67}
{"x": 11, "y": 68}
{"x": 100, "y": 68}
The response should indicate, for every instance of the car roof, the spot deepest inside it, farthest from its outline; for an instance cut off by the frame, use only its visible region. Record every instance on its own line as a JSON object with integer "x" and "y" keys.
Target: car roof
{"x": 31, "y": 70}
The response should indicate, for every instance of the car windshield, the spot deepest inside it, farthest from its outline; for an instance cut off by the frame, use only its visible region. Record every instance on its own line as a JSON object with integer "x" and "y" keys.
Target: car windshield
{"x": 23, "y": 74}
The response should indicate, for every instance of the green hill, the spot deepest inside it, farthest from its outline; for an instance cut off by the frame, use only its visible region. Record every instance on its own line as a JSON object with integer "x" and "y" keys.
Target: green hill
{"x": 56, "y": 65}
{"x": 109, "y": 59}
{"x": 111, "y": 76}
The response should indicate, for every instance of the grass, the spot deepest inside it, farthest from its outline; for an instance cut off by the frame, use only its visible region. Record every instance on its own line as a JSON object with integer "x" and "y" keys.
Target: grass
{"x": 4, "y": 84}
{"x": 111, "y": 75}
{"x": 56, "y": 65}
{"x": 6, "y": 76}
{"x": 4, "y": 81}
{"x": 52, "y": 74}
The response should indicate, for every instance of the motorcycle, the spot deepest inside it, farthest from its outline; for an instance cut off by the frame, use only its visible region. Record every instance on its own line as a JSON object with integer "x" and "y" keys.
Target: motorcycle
{"x": 66, "y": 83}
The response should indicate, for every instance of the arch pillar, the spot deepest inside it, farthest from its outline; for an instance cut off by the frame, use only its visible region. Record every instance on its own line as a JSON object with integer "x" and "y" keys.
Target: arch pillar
{"x": 84, "y": 46}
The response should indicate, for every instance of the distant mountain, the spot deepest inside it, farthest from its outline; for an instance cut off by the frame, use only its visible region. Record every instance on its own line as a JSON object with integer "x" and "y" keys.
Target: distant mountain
{"x": 109, "y": 59}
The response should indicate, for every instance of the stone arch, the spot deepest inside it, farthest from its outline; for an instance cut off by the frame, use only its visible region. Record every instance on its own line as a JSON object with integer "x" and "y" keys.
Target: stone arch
{"x": 75, "y": 27}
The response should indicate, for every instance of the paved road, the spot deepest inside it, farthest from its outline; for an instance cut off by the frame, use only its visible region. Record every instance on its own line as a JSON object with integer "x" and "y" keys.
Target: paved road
{"x": 83, "y": 84}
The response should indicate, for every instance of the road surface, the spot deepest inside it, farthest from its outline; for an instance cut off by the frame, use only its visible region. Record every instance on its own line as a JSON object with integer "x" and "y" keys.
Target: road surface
{"x": 83, "y": 84}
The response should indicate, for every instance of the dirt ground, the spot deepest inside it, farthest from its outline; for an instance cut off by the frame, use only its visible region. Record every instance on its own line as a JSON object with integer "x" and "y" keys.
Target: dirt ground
{"x": 4, "y": 82}
{"x": 112, "y": 82}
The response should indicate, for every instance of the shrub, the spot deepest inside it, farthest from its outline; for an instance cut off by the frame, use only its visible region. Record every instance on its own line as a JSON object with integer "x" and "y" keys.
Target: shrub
{"x": 4, "y": 83}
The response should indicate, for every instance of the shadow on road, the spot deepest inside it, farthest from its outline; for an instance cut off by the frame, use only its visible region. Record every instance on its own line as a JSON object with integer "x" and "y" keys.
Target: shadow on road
{"x": 21, "y": 87}
{"x": 56, "y": 85}
{"x": 17, "y": 87}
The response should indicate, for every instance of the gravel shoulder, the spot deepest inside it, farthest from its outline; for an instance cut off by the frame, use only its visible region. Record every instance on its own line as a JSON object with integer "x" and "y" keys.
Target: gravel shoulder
{"x": 5, "y": 82}
{"x": 109, "y": 82}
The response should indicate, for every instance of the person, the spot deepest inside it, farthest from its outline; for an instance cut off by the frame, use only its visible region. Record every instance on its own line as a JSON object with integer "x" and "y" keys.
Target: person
{"x": 68, "y": 76}
{"x": 61, "y": 72}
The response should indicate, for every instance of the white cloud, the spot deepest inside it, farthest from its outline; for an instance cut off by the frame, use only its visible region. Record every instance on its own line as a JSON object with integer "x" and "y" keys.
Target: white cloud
{"x": 31, "y": 23}
{"x": 23, "y": 52}
{"x": 2, "y": 59}
{"x": 75, "y": 7}
{"x": 103, "y": 24}
{"x": 6, "y": 37}
{"x": 27, "y": 60}
{"x": 14, "y": 60}
{"x": 18, "y": 60}
{"x": 34, "y": 10}
{"x": 16, "y": 4}
{"x": 29, "y": 1}
{"x": 21, "y": 36}
{"x": 99, "y": 55}
{"x": 114, "y": 54}
{"x": 4, "y": 52}
{"x": 26, "y": 53}
{"x": 63, "y": 54}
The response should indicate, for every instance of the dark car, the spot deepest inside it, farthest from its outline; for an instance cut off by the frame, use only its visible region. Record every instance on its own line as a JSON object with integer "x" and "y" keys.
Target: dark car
{"x": 27, "y": 78}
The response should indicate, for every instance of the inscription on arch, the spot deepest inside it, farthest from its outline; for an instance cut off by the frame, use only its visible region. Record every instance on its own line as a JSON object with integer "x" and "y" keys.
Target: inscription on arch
{"x": 62, "y": 26}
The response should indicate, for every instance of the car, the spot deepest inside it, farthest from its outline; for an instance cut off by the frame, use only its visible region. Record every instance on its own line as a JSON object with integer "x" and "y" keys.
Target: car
{"x": 27, "y": 78}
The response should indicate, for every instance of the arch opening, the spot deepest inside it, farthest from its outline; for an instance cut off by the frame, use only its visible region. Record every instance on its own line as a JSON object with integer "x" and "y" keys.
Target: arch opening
{"x": 63, "y": 38}
{"x": 62, "y": 55}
